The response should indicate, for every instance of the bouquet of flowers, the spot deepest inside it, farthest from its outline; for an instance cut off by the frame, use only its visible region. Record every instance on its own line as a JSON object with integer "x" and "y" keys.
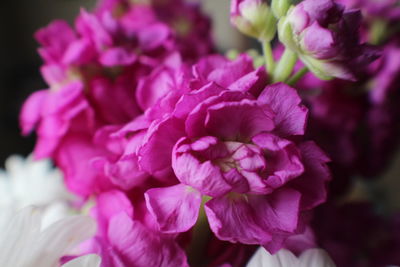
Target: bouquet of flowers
{"x": 168, "y": 153}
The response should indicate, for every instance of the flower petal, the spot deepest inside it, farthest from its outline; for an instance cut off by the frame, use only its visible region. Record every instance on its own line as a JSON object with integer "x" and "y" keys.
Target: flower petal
{"x": 90, "y": 260}
{"x": 175, "y": 208}
{"x": 290, "y": 115}
{"x": 253, "y": 219}
{"x": 262, "y": 258}
{"x": 315, "y": 258}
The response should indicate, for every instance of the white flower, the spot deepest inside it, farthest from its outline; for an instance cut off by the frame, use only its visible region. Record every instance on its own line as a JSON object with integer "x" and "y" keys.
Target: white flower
{"x": 27, "y": 182}
{"x": 285, "y": 258}
{"x": 24, "y": 244}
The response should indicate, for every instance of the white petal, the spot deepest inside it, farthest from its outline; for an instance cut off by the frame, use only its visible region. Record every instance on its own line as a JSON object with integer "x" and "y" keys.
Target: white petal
{"x": 18, "y": 236}
{"x": 262, "y": 258}
{"x": 60, "y": 238}
{"x": 316, "y": 258}
{"x": 91, "y": 260}
{"x": 55, "y": 212}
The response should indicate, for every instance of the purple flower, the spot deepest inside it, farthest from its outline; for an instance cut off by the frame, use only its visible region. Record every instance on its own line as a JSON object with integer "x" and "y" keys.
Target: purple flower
{"x": 191, "y": 28}
{"x": 325, "y": 37}
{"x": 385, "y": 75}
{"x": 385, "y": 9}
{"x": 103, "y": 76}
{"x": 53, "y": 114}
{"x": 123, "y": 240}
{"x": 237, "y": 149}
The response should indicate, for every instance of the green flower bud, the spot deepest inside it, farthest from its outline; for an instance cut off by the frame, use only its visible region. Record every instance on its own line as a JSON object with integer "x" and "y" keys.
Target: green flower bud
{"x": 254, "y": 18}
{"x": 280, "y": 7}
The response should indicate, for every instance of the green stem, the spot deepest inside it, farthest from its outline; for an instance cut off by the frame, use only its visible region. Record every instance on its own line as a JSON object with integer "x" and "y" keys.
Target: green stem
{"x": 200, "y": 237}
{"x": 269, "y": 57}
{"x": 285, "y": 66}
{"x": 297, "y": 76}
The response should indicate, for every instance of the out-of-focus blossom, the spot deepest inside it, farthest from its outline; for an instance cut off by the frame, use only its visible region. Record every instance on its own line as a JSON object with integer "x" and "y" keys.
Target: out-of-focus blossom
{"x": 381, "y": 18}
{"x": 284, "y": 258}
{"x": 384, "y": 9}
{"x": 355, "y": 122}
{"x": 24, "y": 244}
{"x": 333, "y": 223}
{"x": 325, "y": 37}
{"x": 97, "y": 74}
{"x": 190, "y": 27}
{"x": 254, "y": 18}
{"x": 385, "y": 76}
{"x": 27, "y": 182}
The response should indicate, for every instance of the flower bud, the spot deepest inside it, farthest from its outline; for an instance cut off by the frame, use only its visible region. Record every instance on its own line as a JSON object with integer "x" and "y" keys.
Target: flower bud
{"x": 280, "y": 7}
{"x": 325, "y": 37}
{"x": 253, "y": 18}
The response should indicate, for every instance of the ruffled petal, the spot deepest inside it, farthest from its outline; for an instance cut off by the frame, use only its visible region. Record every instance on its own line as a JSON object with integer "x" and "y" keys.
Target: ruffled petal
{"x": 290, "y": 115}
{"x": 175, "y": 208}
{"x": 253, "y": 219}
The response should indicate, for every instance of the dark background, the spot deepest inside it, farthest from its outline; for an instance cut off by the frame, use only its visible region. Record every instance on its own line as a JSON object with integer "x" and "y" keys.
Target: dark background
{"x": 20, "y": 63}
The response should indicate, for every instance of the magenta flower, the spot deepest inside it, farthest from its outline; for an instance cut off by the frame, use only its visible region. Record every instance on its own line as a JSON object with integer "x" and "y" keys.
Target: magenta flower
{"x": 98, "y": 77}
{"x": 123, "y": 240}
{"x": 237, "y": 150}
{"x": 325, "y": 37}
{"x": 386, "y": 75}
{"x": 385, "y": 9}
{"x": 190, "y": 27}
{"x": 53, "y": 114}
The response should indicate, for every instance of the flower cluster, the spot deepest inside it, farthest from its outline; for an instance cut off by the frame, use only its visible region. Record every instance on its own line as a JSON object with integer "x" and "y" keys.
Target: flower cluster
{"x": 189, "y": 157}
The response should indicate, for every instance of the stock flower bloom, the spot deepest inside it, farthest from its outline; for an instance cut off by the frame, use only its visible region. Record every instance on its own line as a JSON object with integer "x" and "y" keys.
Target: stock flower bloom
{"x": 385, "y": 9}
{"x": 53, "y": 114}
{"x": 97, "y": 74}
{"x": 325, "y": 37}
{"x": 190, "y": 27}
{"x": 123, "y": 240}
{"x": 236, "y": 148}
{"x": 284, "y": 258}
{"x": 24, "y": 244}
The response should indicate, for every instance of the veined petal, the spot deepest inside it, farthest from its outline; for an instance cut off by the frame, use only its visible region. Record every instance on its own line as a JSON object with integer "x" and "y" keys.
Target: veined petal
{"x": 290, "y": 115}
{"x": 238, "y": 120}
{"x": 175, "y": 208}
{"x": 254, "y": 219}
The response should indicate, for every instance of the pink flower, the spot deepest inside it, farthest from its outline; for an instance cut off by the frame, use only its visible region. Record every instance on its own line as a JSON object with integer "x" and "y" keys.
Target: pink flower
{"x": 385, "y": 9}
{"x": 191, "y": 28}
{"x": 54, "y": 114}
{"x": 123, "y": 240}
{"x": 98, "y": 77}
{"x": 239, "y": 150}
